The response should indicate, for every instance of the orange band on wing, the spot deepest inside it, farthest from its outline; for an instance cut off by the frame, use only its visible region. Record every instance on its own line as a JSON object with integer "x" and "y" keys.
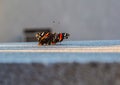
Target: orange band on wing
{"x": 46, "y": 35}
{"x": 60, "y": 36}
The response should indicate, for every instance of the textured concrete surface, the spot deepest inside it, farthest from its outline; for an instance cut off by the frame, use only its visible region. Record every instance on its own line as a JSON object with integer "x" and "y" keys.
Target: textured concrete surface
{"x": 60, "y": 74}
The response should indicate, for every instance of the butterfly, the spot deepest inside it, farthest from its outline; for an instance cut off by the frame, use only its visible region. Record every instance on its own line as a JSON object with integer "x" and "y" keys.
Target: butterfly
{"x": 49, "y": 38}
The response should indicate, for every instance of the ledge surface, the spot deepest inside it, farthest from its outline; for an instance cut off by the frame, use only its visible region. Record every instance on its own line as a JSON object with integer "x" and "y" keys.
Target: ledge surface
{"x": 67, "y": 51}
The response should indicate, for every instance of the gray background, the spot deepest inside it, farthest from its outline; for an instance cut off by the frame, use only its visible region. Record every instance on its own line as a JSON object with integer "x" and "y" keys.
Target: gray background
{"x": 83, "y": 19}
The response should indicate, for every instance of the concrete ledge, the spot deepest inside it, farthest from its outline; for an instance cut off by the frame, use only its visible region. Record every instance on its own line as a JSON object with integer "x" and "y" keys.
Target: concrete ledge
{"x": 68, "y": 51}
{"x": 28, "y": 64}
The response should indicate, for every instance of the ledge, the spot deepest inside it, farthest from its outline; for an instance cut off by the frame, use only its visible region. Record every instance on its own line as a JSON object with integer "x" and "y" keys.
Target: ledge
{"x": 67, "y": 51}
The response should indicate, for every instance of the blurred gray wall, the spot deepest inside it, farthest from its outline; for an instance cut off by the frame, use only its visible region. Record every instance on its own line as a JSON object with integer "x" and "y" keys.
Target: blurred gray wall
{"x": 83, "y": 19}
